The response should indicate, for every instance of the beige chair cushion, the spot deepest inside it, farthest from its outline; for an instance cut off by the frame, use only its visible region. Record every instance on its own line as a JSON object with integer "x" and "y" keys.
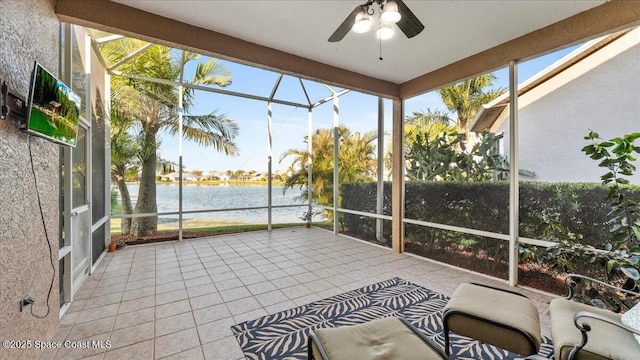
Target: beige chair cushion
{"x": 495, "y": 317}
{"x": 605, "y": 341}
{"x": 387, "y": 338}
{"x": 631, "y": 318}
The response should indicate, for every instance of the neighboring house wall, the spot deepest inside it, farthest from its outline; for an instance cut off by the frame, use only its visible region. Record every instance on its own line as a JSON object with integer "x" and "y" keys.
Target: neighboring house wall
{"x": 601, "y": 93}
{"x": 30, "y": 31}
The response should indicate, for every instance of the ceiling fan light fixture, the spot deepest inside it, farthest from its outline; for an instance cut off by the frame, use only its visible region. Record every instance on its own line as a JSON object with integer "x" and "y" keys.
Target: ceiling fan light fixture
{"x": 384, "y": 32}
{"x": 363, "y": 22}
{"x": 390, "y": 14}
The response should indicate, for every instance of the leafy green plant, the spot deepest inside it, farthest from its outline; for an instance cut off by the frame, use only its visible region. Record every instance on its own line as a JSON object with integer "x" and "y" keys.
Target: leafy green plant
{"x": 617, "y": 156}
{"x": 620, "y": 255}
{"x": 444, "y": 157}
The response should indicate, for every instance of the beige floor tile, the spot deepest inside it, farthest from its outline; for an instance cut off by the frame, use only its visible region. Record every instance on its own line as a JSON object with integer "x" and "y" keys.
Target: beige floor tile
{"x": 201, "y": 290}
{"x": 174, "y": 323}
{"x": 84, "y": 348}
{"x": 134, "y": 318}
{"x": 251, "y": 315}
{"x": 169, "y": 287}
{"x": 98, "y": 313}
{"x": 261, "y": 287}
{"x": 131, "y": 335}
{"x": 270, "y": 298}
{"x": 198, "y": 281}
{"x": 138, "y": 293}
{"x": 296, "y": 291}
{"x": 91, "y": 328}
{"x": 191, "y": 354}
{"x": 194, "y": 274}
{"x": 139, "y": 284}
{"x": 228, "y": 284}
{"x": 226, "y": 348}
{"x": 170, "y": 297}
{"x": 211, "y": 313}
{"x": 215, "y": 330}
{"x": 163, "y": 279}
{"x": 137, "y": 304}
{"x": 109, "y": 290}
{"x": 171, "y": 309}
{"x": 173, "y": 299}
{"x": 243, "y": 305}
{"x": 176, "y": 342}
{"x": 235, "y": 294}
{"x": 205, "y": 301}
{"x": 139, "y": 351}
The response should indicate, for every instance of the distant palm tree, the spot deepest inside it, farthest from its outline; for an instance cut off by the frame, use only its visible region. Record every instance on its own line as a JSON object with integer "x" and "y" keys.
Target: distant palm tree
{"x": 357, "y": 162}
{"x": 466, "y": 98}
{"x": 153, "y": 107}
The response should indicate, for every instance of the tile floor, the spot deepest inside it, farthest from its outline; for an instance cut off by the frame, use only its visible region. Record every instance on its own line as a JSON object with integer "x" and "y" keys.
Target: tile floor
{"x": 178, "y": 300}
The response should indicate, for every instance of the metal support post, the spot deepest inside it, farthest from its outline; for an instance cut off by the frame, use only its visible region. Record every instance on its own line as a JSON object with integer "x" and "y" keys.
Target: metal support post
{"x": 514, "y": 202}
{"x": 380, "y": 187}
{"x": 310, "y": 158}
{"x": 269, "y": 165}
{"x": 180, "y": 135}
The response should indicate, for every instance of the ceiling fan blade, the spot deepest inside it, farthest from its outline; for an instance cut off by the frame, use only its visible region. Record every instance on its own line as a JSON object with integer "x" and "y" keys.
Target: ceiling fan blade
{"x": 409, "y": 23}
{"x": 345, "y": 27}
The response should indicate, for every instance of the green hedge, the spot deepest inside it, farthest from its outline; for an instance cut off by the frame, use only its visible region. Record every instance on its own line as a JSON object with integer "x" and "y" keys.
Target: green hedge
{"x": 363, "y": 197}
{"x": 550, "y": 211}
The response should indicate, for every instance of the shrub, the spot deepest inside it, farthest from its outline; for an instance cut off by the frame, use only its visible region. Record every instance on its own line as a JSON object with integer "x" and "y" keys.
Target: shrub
{"x": 550, "y": 211}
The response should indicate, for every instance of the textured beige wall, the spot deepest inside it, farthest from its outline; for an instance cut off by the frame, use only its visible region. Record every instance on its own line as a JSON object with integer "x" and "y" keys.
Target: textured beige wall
{"x": 29, "y": 31}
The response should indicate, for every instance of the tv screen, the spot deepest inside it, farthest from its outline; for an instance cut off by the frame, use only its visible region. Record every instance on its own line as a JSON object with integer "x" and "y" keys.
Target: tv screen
{"x": 54, "y": 109}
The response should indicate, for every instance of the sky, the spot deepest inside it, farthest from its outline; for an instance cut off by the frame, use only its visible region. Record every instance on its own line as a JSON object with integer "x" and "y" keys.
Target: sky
{"x": 358, "y": 112}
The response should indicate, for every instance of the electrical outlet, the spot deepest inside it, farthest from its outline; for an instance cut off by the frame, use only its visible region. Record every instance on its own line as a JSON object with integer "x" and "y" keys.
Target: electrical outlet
{"x": 26, "y": 301}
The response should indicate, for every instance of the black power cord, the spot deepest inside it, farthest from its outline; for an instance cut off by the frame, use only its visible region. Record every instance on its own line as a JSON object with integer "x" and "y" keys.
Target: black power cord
{"x": 44, "y": 225}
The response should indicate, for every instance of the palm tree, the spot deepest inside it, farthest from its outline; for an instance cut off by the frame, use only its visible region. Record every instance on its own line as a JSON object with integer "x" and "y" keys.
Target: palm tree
{"x": 429, "y": 123}
{"x": 356, "y": 156}
{"x": 153, "y": 107}
{"x": 466, "y": 97}
{"x": 423, "y": 124}
{"x": 124, "y": 157}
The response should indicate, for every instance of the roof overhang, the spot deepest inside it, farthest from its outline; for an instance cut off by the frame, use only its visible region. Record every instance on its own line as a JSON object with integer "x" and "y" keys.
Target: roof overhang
{"x": 489, "y": 113}
{"x": 131, "y": 21}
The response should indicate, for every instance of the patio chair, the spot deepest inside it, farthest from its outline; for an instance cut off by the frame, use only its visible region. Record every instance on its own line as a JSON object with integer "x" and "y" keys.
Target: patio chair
{"x": 581, "y": 332}
{"x": 496, "y": 316}
{"x": 387, "y": 338}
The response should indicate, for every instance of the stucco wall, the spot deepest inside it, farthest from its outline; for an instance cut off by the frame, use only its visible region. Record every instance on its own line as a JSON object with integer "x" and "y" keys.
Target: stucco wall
{"x": 601, "y": 93}
{"x": 29, "y": 32}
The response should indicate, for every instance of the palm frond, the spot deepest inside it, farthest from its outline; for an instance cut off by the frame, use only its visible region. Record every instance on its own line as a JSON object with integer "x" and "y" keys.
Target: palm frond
{"x": 209, "y": 130}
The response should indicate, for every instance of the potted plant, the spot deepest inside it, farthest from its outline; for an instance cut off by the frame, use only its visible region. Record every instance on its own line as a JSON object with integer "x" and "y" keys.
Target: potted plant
{"x": 306, "y": 217}
{"x": 112, "y": 246}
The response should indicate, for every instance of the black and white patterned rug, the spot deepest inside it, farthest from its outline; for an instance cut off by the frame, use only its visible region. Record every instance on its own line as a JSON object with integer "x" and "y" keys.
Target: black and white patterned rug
{"x": 284, "y": 335}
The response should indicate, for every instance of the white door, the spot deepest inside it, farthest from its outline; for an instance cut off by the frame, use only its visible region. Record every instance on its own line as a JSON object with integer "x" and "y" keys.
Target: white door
{"x": 78, "y": 226}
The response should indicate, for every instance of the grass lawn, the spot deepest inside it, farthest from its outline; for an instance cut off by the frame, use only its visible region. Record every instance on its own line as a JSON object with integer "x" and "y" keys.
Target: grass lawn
{"x": 217, "y": 229}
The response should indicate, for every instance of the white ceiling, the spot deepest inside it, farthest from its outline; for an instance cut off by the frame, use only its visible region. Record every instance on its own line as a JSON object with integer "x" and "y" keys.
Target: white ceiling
{"x": 455, "y": 29}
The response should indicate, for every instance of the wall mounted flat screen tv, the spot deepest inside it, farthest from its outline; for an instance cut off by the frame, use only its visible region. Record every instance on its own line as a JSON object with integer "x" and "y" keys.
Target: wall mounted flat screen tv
{"x": 54, "y": 109}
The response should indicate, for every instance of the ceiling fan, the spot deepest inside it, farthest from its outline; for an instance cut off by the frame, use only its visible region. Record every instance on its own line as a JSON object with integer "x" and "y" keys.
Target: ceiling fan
{"x": 390, "y": 12}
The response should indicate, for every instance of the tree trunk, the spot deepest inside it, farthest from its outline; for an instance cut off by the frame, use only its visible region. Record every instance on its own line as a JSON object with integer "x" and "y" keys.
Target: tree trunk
{"x": 125, "y": 225}
{"x": 147, "y": 192}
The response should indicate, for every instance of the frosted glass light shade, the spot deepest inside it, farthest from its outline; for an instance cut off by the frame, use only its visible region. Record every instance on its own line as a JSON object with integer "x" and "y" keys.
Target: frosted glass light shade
{"x": 390, "y": 14}
{"x": 385, "y": 32}
{"x": 363, "y": 23}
